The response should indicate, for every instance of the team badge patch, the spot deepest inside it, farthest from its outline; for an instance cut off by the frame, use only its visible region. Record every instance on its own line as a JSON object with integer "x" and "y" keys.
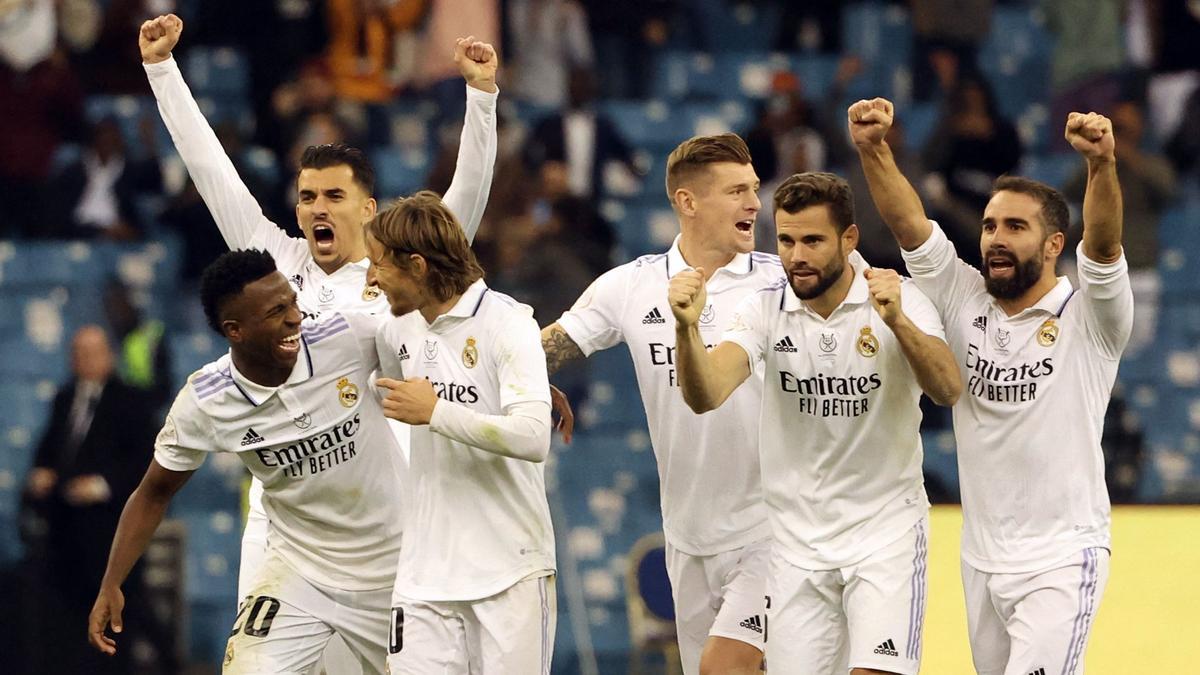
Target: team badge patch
{"x": 303, "y": 421}
{"x": 430, "y": 350}
{"x": 370, "y": 293}
{"x": 347, "y": 392}
{"x": 867, "y": 344}
{"x": 470, "y": 354}
{"x": 828, "y": 343}
{"x": 1047, "y": 335}
{"x": 326, "y": 294}
{"x": 1003, "y": 337}
{"x": 708, "y": 315}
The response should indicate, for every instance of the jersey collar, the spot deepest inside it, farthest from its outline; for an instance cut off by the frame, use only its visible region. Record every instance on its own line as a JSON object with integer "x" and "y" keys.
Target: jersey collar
{"x": 1053, "y": 302}
{"x": 467, "y": 305}
{"x": 742, "y": 263}
{"x": 857, "y": 295}
{"x": 257, "y": 394}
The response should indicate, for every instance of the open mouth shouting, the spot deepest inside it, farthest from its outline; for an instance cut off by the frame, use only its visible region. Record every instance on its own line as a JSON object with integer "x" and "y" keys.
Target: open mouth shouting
{"x": 323, "y": 236}
{"x": 1001, "y": 264}
{"x": 745, "y": 228}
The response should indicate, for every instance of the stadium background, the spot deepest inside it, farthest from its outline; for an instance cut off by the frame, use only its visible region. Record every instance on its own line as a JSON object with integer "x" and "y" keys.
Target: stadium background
{"x": 664, "y": 71}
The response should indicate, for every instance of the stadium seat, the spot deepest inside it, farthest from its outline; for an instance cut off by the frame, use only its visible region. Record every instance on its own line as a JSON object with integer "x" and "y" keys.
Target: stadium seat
{"x": 650, "y": 605}
{"x": 399, "y": 171}
{"x": 217, "y": 71}
{"x": 1016, "y": 59}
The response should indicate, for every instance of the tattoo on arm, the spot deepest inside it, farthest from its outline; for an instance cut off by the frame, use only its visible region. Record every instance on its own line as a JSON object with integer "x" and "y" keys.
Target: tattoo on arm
{"x": 559, "y": 348}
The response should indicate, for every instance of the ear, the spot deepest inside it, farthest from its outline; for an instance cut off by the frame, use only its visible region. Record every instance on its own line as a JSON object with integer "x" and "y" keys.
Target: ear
{"x": 1055, "y": 244}
{"x": 232, "y": 330}
{"x": 685, "y": 202}
{"x": 418, "y": 265}
{"x": 370, "y": 209}
{"x": 850, "y": 238}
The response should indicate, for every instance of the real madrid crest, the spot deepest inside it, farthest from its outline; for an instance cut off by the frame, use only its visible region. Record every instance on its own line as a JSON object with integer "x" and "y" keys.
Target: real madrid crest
{"x": 347, "y": 392}
{"x": 1047, "y": 334}
{"x": 370, "y": 293}
{"x": 470, "y": 354}
{"x": 867, "y": 344}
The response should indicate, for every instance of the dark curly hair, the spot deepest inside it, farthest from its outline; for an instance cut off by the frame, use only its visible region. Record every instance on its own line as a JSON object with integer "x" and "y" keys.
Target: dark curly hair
{"x": 227, "y": 276}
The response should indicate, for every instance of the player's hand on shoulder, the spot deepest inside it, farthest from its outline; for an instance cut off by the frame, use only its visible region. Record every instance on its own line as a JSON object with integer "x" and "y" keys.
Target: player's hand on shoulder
{"x": 410, "y": 401}
{"x": 1091, "y": 134}
{"x": 883, "y": 285}
{"x": 870, "y": 121}
{"x": 478, "y": 62}
{"x": 687, "y": 296}
{"x": 106, "y": 611}
{"x": 158, "y": 37}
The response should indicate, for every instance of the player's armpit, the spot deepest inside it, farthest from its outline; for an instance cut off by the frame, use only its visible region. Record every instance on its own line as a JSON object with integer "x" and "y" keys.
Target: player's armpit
{"x": 559, "y": 348}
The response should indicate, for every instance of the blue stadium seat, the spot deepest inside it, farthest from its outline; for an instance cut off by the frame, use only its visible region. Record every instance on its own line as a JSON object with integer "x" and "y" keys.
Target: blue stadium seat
{"x": 399, "y": 171}
{"x": 1016, "y": 59}
{"x": 217, "y": 71}
{"x": 737, "y": 27}
{"x": 1053, "y": 169}
{"x": 880, "y": 34}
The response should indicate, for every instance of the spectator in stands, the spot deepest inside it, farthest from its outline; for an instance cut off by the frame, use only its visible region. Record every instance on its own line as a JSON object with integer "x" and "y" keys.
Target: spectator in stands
{"x": 364, "y": 54}
{"x": 144, "y": 360}
{"x": 1148, "y": 186}
{"x": 296, "y": 101}
{"x": 102, "y": 187}
{"x": 97, "y": 443}
{"x": 27, "y": 33}
{"x": 1089, "y": 52}
{"x": 111, "y": 65}
{"x": 627, "y": 35}
{"x": 583, "y": 140}
{"x": 1183, "y": 147}
{"x": 1123, "y": 443}
{"x": 971, "y": 146}
{"x": 446, "y": 21}
{"x": 946, "y": 39}
{"x": 41, "y": 107}
{"x": 548, "y": 43}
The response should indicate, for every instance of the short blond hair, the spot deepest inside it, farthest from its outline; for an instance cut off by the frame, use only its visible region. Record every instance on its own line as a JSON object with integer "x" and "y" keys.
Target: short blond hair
{"x": 692, "y": 157}
{"x": 422, "y": 224}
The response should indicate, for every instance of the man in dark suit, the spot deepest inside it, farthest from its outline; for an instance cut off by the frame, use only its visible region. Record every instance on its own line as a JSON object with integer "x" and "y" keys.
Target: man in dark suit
{"x": 579, "y": 142}
{"x": 96, "y": 446}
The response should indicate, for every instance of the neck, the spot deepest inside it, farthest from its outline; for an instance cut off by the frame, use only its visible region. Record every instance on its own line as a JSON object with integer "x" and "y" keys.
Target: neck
{"x": 267, "y": 376}
{"x": 353, "y": 254}
{"x": 825, "y": 303}
{"x": 435, "y": 309}
{"x": 699, "y": 253}
{"x": 1030, "y": 297}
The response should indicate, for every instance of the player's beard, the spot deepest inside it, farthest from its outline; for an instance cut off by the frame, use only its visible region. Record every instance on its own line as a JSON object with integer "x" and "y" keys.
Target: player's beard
{"x": 825, "y": 278}
{"x": 1024, "y": 275}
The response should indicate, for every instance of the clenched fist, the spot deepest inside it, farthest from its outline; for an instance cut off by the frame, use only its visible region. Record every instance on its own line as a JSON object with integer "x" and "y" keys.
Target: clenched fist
{"x": 158, "y": 37}
{"x": 870, "y": 121}
{"x": 687, "y": 296}
{"x": 477, "y": 61}
{"x": 884, "y": 287}
{"x": 1091, "y": 135}
{"x": 410, "y": 401}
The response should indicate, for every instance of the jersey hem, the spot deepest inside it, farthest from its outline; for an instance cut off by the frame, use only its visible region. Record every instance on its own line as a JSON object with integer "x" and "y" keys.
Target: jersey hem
{"x": 427, "y": 594}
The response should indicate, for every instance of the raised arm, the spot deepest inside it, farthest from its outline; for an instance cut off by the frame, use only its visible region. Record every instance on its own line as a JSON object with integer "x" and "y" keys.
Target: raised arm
{"x": 468, "y": 193}
{"x": 706, "y": 378}
{"x": 140, "y": 518}
{"x": 928, "y": 355}
{"x": 1091, "y": 135}
{"x": 237, "y": 214}
{"x": 894, "y": 196}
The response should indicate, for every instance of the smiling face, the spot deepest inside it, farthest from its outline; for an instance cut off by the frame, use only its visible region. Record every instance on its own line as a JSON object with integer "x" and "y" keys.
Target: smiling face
{"x": 331, "y": 208}
{"x": 722, "y": 204}
{"x": 403, "y": 288}
{"x": 1016, "y": 245}
{"x": 263, "y": 323}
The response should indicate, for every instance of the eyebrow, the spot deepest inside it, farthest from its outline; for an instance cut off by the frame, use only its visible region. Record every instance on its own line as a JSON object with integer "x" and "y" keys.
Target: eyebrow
{"x": 992, "y": 221}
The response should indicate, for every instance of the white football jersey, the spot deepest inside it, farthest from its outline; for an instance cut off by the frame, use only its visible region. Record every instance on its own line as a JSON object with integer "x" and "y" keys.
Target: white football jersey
{"x": 708, "y": 465}
{"x": 840, "y": 427}
{"x": 1028, "y": 425}
{"x": 241, "y": 220}
{"x": 478, "y": 522}
{"x": 320, "y": 445}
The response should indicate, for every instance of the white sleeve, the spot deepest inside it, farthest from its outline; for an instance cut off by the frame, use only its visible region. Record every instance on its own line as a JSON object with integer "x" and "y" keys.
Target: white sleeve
{"x": 185, "y": 439}
{"x": 1109, "y": 297}
{"x": 748, "y": 328}
{"x": 365, "y": 328}
{"x": 238, "y": 215}
{"x": 920, "y": 310}
{"x": 522, "y": 432}
{"x": 467, "y": 195}
{"x": 390, "y": 364}
{"x": 594, "y": 322}
{"x": 937, "y": 270}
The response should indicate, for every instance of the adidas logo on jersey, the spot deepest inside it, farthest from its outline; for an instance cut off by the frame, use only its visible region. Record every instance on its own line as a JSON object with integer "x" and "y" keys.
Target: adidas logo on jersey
{"x": 251, "y": 438}
{"x": 754, "y": 623}
{"x": 786, "y": 345}
{"x": 653, "y": 316}
{"x": 980, "y": 322}
{"x": 403, "y": 353}
{"x": 887, "y": 648}
{"x": 1039, "y": 671}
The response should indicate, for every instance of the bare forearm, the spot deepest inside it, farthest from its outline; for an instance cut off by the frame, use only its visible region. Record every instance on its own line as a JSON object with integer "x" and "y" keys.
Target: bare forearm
{"x": 931, "y": 361}
{"x": 1102, "y": 212}
{"x": 698, "y": 379}
{"x": 559, "y": 348}
{"x": 139, "y": 520}
{"x": 894, "y": 197}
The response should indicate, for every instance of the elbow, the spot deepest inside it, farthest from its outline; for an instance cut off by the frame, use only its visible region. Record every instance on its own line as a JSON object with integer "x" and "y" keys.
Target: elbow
{"x": 698, "y": 404}
{"x": 947, "y": 394}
